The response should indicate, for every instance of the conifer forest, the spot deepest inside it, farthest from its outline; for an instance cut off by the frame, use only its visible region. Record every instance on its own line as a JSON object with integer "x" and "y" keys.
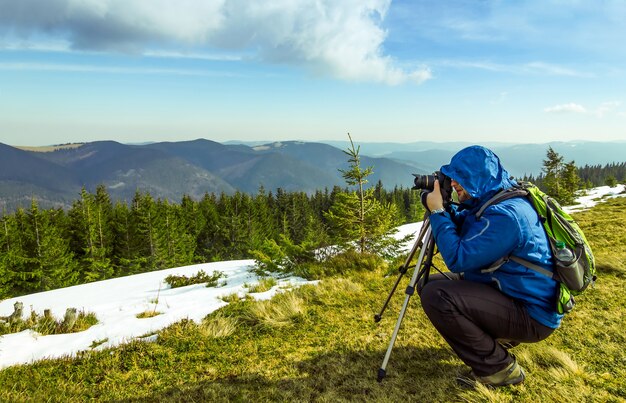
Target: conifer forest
{"x": 97, "y": 239}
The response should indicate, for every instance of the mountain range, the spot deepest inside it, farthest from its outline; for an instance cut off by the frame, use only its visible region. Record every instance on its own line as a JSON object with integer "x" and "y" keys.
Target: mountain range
{"x": 55, "y": 175}
{"x": 172, "y": 169}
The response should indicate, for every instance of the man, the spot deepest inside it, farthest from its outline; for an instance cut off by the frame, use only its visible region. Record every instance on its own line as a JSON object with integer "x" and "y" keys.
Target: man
{"x": 485, "y": 311}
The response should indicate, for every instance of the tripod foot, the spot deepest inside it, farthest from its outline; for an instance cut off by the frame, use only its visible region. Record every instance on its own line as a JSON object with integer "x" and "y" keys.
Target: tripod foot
{"x": 381, "y": 374}
{"x": 377, "y": 318}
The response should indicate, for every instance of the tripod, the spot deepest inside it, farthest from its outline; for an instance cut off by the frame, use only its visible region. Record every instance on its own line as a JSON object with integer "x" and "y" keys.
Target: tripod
{"x": 426, "y": 245}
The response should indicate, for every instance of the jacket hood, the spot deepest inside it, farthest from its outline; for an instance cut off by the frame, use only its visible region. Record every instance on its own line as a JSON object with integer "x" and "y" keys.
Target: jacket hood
{"x": 479, "y": 171}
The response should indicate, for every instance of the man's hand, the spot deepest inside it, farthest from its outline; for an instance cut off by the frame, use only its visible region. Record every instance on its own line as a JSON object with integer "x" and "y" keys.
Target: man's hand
{"x": 434, "y": 199}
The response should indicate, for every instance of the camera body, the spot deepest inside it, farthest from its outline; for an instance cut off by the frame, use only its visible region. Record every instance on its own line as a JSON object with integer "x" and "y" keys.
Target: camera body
{"x": 426, "y": 183}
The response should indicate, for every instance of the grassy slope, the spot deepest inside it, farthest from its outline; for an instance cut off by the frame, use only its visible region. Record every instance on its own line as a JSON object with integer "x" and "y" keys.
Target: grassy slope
{"x": 46, "y": 149}
{"x": 321, "y": 343}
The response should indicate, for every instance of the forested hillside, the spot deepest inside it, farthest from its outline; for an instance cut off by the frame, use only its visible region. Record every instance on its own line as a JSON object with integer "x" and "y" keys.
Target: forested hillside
{"x": 598, "y": 175}
{"x": 97, "y": 239}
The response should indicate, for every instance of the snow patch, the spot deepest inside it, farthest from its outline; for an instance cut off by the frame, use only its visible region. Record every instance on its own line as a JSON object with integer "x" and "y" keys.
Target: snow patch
{"x": 594, "y": 196}
{"x": 117, "y": 302}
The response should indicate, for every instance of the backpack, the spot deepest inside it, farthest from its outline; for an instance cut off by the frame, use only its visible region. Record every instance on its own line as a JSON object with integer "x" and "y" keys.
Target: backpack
{"x": 575, "y": 267}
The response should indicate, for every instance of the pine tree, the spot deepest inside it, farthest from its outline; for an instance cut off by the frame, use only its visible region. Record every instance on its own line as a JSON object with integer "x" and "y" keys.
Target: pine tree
{"x": 192, "y": 221}
{"x": 91, "y": 234}
{"x": 356, "y": 216}
{"x": 262, "y": 223}
{"x": 210, "y": 244}
{"x": 552, "y": 168}
{"x": 142, "y": 231}
{"x": 571, "y": 183}
{"x": 173, "y": 246}
{"x": 233, "y": 213}
{"x": 561, "y": 181}
{"x": 51, "y": 263}
{"x": 55, "y": 258}
{"x": 611, "y": 181}
{"x": 280, "y": 211}
{"x": 5, "y": 249}
{"x": 104, "y": 217}
{"x": 18, "y": 259}
{"x": 14, "y": 262}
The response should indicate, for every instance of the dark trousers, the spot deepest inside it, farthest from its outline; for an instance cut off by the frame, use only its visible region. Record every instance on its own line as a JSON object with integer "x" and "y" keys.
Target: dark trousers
{"x": 472, "y": 316}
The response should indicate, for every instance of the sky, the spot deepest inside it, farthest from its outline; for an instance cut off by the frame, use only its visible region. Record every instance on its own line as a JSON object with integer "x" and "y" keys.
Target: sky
{"x": 134, "y": 71}
{"x": 117, "y": 302}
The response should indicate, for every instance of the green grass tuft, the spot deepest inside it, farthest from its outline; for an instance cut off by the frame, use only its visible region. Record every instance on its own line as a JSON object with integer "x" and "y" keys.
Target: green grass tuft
{"x": 283, "y": 310}
{"x": 232, "y": 298}
{"x": 341, "y": 264}
{"x": 219, "y": 325}
{"x": 264, "y": 284}
{"x": 150, "y": 313}
{"x": 97, "y": 343}
{"x": 47, "y": 325}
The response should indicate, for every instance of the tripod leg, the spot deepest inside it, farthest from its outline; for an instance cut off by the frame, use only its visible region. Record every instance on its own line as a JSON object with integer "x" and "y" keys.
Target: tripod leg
{"x": 403, "y": 269}
{"x": 421, "y": 270}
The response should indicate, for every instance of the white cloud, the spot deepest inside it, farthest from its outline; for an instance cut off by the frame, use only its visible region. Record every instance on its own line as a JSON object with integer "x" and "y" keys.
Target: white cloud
{"x": 566, "y": 108}
{"x": 604, "y": 109}
{"x": 86, "y": 68}
{"x": 531, "y": 68}
{"x": 342, "y": 39}
{"x": 553, "y": 70}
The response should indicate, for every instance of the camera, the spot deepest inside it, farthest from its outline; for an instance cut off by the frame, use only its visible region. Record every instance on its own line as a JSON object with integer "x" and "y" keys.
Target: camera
{"x": 426, "y": 183}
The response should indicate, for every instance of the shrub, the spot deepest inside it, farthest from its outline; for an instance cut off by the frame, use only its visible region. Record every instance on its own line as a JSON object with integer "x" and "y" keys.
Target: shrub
{"x": 199, "y": 278}
{"x": 342, "y": 263}
{"x": 283, "y": 256}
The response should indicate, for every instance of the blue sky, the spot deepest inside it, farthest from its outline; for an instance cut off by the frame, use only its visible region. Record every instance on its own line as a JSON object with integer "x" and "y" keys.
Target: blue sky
{"x": 403, "y": 71}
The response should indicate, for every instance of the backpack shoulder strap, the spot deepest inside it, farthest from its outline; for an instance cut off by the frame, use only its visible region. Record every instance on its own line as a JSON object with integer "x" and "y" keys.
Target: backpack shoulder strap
{"x": 505, "y": 194}
{"x": 532, "y": 266}
{"x": 502, "y": 195}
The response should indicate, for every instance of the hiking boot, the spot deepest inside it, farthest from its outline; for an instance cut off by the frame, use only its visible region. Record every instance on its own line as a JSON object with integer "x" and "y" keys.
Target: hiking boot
{"x": 511, "y": 375}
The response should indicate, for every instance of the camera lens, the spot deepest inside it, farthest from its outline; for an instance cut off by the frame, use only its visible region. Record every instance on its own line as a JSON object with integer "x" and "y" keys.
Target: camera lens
{"x": 425, "y": 182}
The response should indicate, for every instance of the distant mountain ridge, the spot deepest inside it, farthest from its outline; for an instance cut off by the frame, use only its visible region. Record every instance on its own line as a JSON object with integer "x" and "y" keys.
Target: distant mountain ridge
{"x": 173, "y": 169}
{"x": 518, "y": 159}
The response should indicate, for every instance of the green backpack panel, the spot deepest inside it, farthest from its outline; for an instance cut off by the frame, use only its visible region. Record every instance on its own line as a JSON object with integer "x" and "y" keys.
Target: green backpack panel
{"x": 560, "y": 226}
{"x": 575, "y": 273}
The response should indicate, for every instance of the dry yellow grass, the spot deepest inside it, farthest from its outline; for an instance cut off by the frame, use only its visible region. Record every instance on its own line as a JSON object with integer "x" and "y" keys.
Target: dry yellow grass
{"x": 219, "y": 325}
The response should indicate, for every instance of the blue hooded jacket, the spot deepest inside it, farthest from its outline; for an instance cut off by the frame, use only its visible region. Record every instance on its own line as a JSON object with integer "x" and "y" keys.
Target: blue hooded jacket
{"x": 469, "y": 245}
